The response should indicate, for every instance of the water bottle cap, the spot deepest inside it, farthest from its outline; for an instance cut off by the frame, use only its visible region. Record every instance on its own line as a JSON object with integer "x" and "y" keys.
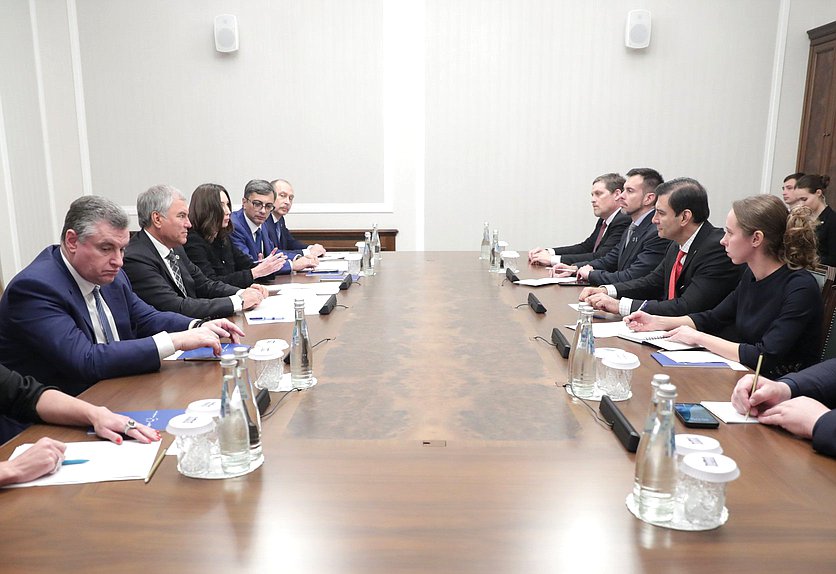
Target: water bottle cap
{"x": 621, "y": 360}
{"x": 689, "y": 443}
{"x": 228, "y": 360}
{"x": 710, "y": 467}
{"x": 666, "y": 391}
{"x": 268, "y": 349}
{"x": 240, "y": 351}
{"x": 189, "y": 425}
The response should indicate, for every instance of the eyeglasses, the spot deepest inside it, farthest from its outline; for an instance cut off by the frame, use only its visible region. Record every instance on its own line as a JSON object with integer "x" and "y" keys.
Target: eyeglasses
{"x": 259, "y": 205}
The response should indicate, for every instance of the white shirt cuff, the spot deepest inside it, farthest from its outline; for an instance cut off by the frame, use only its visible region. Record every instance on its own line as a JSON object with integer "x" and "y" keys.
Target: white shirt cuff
{"x": 611, "y": 290}
{"x": 306, "y": 251}
{"x": 625, "y": 306}
{"x": 237, "y": 302}
{"x": 555, "y": 259}
{"x": 165, "y": 346}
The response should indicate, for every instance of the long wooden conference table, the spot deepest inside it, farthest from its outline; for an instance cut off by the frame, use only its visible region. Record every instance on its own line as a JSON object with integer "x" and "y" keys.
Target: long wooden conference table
{"x": 436, "y": 440}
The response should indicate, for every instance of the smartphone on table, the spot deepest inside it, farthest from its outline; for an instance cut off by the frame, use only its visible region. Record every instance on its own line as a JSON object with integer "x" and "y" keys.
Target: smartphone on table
{"x": 694, "y": 415}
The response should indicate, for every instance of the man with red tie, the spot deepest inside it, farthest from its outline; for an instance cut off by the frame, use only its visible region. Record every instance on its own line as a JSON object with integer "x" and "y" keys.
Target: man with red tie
{"x": 611, "y": 225}
{"x": 695, "y": 274}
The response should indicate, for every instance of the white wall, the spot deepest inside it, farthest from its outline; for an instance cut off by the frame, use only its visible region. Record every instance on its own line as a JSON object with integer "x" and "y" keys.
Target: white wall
{"x": 430, "y": 116}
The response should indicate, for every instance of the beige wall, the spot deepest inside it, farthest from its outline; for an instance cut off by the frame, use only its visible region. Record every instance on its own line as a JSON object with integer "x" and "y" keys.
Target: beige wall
{"x": 430, "y": 116}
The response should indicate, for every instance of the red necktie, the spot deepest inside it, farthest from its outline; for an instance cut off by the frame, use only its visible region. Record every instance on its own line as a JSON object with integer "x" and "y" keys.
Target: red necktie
{"x": 600, "y": 235}
{"x": 675, "y": 273}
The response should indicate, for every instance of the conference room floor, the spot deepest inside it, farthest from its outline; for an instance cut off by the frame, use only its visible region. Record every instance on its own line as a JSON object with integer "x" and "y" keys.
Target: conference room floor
{"x": 438, "y": 439}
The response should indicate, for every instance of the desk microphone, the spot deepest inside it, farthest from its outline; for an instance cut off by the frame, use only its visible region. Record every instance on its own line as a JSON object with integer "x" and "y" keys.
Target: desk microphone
{"x": 559, "y": 341}
{"x": 511, "y": 276}
{"x": 620, "y": 425}
{"x": 329, "y": 305}
{"x": 346, "y": 282}
{"x": 535, "y": 304}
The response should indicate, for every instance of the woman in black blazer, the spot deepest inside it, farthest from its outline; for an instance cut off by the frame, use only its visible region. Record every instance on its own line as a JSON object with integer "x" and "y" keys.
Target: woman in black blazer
{"x": 810, "y": 190}
{"x": 208, "y": 245}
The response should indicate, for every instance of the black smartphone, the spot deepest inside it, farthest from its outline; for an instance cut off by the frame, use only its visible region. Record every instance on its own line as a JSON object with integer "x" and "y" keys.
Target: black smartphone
{"x": 694, "y": 415}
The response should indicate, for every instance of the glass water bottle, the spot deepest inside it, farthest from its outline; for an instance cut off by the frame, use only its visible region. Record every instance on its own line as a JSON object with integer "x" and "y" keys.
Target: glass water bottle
{"x": 658, "y": 380}
{"x": 301, "y": 360}
{"x": 245, "y": 387}
{"x": 583, "y": 360}
{"x": 233, "y": 435}
{"x": 657, "y": 476}
{"x": 485, "y": 252}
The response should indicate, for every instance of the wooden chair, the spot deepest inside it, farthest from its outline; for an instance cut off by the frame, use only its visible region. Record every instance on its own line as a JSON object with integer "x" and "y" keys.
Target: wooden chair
{"x": 828, "y": 294}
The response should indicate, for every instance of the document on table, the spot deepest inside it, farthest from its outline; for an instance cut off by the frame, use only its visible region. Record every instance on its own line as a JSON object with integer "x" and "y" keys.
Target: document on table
{"x": 334, "y": 255}
{"x": 726, "y": 413}
{"x": 605, "y": 329}
{"x": 326, "y": 288}
{"x": 106, "y": 461}
{"x": 699, "y": 358}
{"x": 279, "y": 308}
{"x": 545, "y": 281}
{"x": 335, "y": 266}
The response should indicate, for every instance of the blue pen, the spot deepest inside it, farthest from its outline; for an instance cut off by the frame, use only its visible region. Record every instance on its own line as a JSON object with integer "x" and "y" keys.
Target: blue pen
{"x": 75, "y": 461}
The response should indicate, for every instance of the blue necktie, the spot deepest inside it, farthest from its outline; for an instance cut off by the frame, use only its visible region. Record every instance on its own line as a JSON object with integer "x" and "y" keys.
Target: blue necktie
{"x": 259, "y": 243}
{"x": 108, "y": 333}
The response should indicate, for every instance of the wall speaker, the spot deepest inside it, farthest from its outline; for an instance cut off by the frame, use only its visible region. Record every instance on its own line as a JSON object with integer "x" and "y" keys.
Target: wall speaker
{"x": 226, "y": 33}
{"x": 637, "y": 33}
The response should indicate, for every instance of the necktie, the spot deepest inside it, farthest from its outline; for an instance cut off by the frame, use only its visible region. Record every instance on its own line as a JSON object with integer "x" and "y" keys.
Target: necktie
{"x": 630, "y": 231}
{"x": 600, "y": 236}
{"x": 175, "y": 271}
{"x": 675, "y": 273}
{"x": 259, "y": 243}
{"x": 105, "y": 324}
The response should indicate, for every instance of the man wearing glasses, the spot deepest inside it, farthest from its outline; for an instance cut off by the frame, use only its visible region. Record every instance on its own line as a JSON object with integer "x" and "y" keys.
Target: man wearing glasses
{"x": 249, "y": 235}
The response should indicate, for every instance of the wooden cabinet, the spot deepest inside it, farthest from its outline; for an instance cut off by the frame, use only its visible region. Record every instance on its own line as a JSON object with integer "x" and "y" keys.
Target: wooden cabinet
{"x": 816, "y": 152}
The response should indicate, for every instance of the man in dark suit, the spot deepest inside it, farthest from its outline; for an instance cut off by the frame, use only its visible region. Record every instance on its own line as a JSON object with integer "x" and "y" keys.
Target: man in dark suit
{"x": 160, "y": 270}
{"x": 695, "y": 275}
{"x": 640, "y": 249}
{"x": 277, "y": 229}
{"x": 611, "y": 225}
{"x": 253, "y": 230}
{"x": 70, "y": 317}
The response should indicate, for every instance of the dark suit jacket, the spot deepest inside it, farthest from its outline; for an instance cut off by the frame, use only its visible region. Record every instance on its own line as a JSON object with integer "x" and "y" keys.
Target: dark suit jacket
{"x": 281, "y": 237}
{"x": 817, "y": 382}
{"x": 583, "y": 251}
{"x": 219, "y": 260}
{"x": 151, "y": 280}
{"x": 630, "y": 260}
{"x": 707, "y": 276}
{"x": 243, "y": 239}
{"x": 45, "y": 328}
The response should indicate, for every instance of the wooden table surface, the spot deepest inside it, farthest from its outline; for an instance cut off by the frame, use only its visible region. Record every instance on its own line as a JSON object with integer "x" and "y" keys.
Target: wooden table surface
{"x": 516, "y": 476}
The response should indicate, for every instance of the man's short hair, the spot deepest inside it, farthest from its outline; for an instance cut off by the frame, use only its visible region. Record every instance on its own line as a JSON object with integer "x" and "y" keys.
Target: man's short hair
{"x": 793, "y": 176}
{"x": 686, "y": 193}
{"x": 258, "y": 187}
{"x": 156, "y": 198}
{"x": 612, "y": 181}
{"x": 651, "y": 178}
{"x": 275, "y": 181}
{"x": 88, "y": 211}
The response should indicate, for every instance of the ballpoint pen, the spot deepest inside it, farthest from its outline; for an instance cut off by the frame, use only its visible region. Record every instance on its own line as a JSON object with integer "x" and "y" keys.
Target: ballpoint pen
{"x": 75, "y": 461}
{"x": 156, "y": 465}
{"x": 755, "y": 382}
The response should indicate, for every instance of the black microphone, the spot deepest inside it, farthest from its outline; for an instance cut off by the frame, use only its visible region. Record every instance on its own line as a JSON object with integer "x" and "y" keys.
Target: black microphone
{"x": 346, "y": 282}
{"x": 620, "y": 425}
{"x": 559, "y": 341}
{"x": 511, "y": 276}
{"x": 329, "y": 305}
{"x": 535, "y": 304}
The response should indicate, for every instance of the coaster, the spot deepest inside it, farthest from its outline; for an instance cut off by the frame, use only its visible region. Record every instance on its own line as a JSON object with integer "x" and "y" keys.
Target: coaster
{"x": 597, "y": 394}
{"x": 683, "y": 525}
{"x": 216, "y": 471}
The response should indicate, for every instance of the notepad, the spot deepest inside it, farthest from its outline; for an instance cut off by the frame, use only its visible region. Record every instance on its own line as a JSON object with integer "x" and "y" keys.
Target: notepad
{"x": 544, "y": 281}
{"x": 655, "y": 338}
{"x": 695, "y": 359}
{"x": 726, "y": 413}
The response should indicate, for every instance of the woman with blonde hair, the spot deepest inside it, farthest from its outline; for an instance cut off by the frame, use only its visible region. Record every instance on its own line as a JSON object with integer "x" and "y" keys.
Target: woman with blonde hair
{"x": 776, "y": 309}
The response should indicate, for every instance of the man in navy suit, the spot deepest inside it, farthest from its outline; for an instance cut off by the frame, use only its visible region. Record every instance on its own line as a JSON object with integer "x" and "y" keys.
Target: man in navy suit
{"x": 251, "y": 225}
{"x": 696, "y": 273}
{"x": 161, "y": 272}
{"x": 277, "y": 229}
{"x": 610, "y": 227}
{"x": 640, "y": 249}
{"x": 70, "y": 317}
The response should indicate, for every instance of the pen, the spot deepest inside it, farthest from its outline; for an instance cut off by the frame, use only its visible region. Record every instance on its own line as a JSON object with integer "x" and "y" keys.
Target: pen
{"x": 755, "y": 382}
{"x": 75, "y": 461}
{"x": 642, "y": 306}
{"x": 156, "y": 465}
{"x": 266, "y": 318}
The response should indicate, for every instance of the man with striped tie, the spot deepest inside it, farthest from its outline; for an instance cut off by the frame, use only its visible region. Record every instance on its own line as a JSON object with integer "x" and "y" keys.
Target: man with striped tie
{"x": 695, "y": 274}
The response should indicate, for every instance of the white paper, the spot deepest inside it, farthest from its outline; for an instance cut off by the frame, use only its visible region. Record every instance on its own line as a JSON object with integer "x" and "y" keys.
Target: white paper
{"x": 279, "y": 308}
{"x": 320, "y": 288}
{"x": 702, "y": 357}
{"x": 335, "y": 266}
{"x": 726, "y": 413}
{"x": 108, "y": 461}
{"x": 334, "y": 255}
{"x": 602, "y": 330}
